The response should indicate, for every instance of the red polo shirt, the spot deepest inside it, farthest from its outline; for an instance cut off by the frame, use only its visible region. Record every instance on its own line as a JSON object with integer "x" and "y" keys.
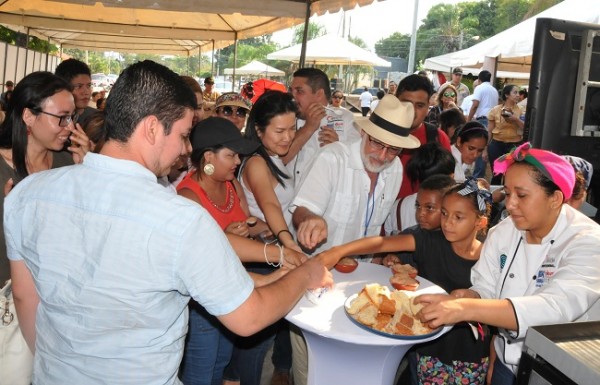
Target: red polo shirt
{"x": 420, "y": 133}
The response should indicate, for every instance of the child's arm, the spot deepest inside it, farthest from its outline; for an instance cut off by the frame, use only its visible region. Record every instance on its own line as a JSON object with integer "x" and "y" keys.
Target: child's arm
{"x": 368, "y": 245}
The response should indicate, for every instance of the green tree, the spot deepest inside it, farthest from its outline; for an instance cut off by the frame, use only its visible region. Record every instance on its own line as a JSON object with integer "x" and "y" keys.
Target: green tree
{"x": 395, "y": 45}
{"x": 314, "y": 30}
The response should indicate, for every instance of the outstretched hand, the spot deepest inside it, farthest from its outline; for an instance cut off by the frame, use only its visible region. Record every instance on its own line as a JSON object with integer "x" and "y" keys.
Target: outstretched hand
{"x": 312, "y": 231}
{"x": 440, "y": 310}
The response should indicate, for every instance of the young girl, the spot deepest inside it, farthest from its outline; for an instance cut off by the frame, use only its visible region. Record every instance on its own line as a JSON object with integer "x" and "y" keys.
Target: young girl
{"x": 445, "y": 258}
{"x": 471, "y": 141}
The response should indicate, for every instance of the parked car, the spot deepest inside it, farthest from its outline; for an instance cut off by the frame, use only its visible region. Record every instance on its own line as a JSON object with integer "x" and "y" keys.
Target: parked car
{"x": 100, "y": 82}
{"x": 222, "y": 87}
{"x": 358, "y": 91}
{"x": 112, "y": 78}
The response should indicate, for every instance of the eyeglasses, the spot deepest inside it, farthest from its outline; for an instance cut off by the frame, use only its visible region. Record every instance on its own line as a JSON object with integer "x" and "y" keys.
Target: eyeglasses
{"x": 378, "y": 146}
{"x": 449, "y": 94}
{"x": 229, "y": 111}
{"x": 457, "y": 74}
{"x": 428, "y": 208}
{"x": 63, "y": 120}
{"x": 337, "y": 97}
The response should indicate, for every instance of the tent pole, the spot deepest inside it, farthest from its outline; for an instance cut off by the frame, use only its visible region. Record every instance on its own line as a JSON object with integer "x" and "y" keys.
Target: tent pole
{"x": 304, "y": 36}
{"x": 235, "y": 47}
{"x": 27, "y": 50}
{"x": 212, "y": 60}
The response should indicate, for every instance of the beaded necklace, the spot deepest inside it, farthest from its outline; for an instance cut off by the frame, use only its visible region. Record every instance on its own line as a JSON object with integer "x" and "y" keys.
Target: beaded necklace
{"x": 230, "y": 200}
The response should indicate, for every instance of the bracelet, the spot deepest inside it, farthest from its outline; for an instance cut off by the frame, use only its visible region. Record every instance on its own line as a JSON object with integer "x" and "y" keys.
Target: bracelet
{"x": 283, "y": 231}
{"x": 281, "y": 256}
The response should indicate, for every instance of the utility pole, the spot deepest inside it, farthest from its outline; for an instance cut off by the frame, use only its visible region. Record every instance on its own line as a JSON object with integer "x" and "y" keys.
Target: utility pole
{"x": 413, "y": 41}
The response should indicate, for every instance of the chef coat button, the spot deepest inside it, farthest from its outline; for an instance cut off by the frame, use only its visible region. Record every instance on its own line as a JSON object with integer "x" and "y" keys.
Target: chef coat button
{"x": 508, "y": 342}
{"x": 511, "y": 275}
{"x": 533, "y": 277}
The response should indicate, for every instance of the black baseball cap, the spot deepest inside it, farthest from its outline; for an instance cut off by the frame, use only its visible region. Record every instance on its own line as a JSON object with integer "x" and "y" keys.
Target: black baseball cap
{"x": 215, "y": 131}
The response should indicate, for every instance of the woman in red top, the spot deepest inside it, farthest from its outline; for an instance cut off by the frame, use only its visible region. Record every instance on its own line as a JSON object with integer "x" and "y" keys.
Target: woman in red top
{"x": 216, "y": 144}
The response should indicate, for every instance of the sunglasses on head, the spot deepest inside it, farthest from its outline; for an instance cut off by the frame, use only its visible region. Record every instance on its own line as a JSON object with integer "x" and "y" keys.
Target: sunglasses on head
{"x": 449, "y": 94}
{"x": 229, "y": 111}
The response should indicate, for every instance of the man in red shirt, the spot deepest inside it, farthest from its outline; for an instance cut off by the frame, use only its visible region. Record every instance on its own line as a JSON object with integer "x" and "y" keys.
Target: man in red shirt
{"x": 417, "y": 90}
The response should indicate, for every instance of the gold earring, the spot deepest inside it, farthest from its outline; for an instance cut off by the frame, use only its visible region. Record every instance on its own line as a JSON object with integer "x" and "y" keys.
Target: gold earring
{"x": 209, "y": 169}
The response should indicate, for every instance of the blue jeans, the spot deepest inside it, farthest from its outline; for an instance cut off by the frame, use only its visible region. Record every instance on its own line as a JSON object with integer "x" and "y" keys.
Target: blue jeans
{"x": 502, "y": 375}
{"x": 208, "y": 349}
{"x": 248, "y": 357}
{"x": 249, "y": 352}
{"x": 282, "y": 348}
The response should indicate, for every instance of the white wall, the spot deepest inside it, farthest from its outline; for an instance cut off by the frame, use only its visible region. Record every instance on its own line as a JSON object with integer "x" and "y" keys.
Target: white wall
{"x": 16, "y": 62}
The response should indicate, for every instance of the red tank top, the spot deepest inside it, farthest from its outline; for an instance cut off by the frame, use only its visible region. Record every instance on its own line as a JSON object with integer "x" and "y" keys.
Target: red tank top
{"x": 224, "y": 215}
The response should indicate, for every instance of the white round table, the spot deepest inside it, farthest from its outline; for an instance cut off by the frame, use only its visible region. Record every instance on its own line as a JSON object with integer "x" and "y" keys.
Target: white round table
{"x": 340, "y": 352}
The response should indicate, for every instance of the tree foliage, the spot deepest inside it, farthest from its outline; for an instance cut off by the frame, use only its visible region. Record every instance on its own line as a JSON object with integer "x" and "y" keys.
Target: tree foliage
{"x": 448, "y": 27}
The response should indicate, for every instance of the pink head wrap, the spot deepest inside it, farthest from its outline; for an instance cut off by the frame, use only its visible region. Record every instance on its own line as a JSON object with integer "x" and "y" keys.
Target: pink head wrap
{"x": 552, "y": 166}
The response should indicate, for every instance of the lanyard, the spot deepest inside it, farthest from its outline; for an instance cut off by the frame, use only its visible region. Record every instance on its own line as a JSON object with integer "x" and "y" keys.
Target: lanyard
{"x": 369, "y": 215}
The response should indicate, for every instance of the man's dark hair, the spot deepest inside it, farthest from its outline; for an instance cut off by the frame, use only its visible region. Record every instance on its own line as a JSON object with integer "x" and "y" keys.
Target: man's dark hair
{"x": 437, "y": 182}
{"x": 380, "y": 94}
{"x": 144, "y": 89}
{"x": 316, "y": 79}
{"x": 451, "y": 118}
{"x": 427, "y": 160}
{"x": 415, "y": 83}
{"x": 70, "y": 68}
{"x": 484, "y": 76}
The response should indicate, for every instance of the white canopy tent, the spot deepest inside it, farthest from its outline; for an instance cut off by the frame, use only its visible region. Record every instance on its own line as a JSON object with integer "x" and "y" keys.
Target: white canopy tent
{"x": 330, "y": 49}
{"x": 255, "y": 68}
{"x": 176, "y": 27}
{"x": 513, "y": 47}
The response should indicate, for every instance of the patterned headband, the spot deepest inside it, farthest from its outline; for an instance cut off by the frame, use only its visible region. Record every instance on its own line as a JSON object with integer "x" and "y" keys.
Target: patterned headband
{"x": 552, "y": 166}
{"x": 484, "y": 197}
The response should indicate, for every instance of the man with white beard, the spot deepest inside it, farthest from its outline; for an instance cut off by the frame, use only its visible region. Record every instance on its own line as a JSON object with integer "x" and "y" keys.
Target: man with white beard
{"x": 350, "y": 188}
{"x": 348, "y": 192}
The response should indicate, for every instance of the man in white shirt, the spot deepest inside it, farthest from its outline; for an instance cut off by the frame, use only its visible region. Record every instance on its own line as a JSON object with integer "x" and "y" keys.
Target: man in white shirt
{"x": 349, "y": 190}
{"x": 318, "y": 124}
{"x": 365, "y": 101}
{"x": 485, "y": 97}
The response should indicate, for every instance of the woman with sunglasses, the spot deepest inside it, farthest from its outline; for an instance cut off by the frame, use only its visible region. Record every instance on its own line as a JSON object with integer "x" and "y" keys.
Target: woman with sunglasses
{"x": 39, "y": 123}
{"x": 234, "y": 107}
{"x": 446, "y": 100}
{"x": 337, "y": 97}
{"x": 505, "y": 126}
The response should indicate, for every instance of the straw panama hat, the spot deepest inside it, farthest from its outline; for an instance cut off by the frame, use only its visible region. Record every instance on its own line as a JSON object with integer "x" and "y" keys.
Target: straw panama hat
{"x": 390, "y": 123}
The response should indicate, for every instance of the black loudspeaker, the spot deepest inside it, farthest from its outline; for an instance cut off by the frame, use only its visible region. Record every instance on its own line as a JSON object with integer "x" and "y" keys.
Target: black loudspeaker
{"x": 553, "y": 86}
{"x": 563, "y": 107}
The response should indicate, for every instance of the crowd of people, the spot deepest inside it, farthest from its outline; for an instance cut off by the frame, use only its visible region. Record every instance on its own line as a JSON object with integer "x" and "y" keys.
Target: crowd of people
{"x": 161, "y": 237}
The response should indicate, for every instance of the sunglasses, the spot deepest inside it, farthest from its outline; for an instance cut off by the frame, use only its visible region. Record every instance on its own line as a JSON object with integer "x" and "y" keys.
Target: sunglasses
{"x": 449, "y": 94}
{"x": 63, "y": 120}
{"x": 337, "y": 97}
{"x": 229, "y": 111}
